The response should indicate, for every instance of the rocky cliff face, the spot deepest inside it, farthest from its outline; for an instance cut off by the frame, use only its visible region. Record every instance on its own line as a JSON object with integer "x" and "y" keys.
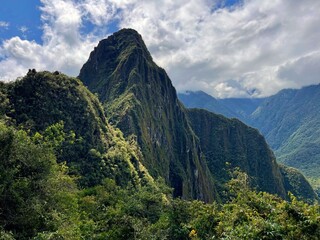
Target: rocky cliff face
{"x": 139, "y": 98}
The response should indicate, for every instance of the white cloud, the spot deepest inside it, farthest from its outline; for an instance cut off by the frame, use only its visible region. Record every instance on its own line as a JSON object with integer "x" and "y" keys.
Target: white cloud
{"x": 302, "y": 69}
{"x": 23, "y": 29}
{"x": 63, "y": 48}
{"x": 257, "y": 48}
{"x": 4, "y": 24}
{"x": 99, "y": 12}
{"x": 206, "y": 50}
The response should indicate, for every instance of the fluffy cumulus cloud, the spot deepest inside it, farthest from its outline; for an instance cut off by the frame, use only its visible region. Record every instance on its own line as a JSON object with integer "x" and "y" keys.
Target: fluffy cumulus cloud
{"x": 253, "y": 48}
{"x": 64, "y": 48}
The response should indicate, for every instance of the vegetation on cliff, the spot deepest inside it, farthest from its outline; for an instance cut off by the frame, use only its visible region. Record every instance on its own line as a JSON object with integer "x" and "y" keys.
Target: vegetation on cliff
{"x": 228, "y": 143}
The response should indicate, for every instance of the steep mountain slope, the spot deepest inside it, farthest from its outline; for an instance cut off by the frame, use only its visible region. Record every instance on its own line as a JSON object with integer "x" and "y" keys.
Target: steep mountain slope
{"x": 290, "y": 121}
{"x": 139, "y": 98}
{"x": 65, "y": 111}
{"x": 296, "y": 183}
{"x": 230, "y": 141}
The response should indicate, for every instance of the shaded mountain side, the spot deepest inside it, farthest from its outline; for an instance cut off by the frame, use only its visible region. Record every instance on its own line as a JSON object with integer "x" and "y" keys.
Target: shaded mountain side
{"x": 243, "y": 107}
{"x": 230, "y": 141}
{"x": 297, "y": 184}
{"x": 138, "y": 98}
{"x": 96, "y": 151}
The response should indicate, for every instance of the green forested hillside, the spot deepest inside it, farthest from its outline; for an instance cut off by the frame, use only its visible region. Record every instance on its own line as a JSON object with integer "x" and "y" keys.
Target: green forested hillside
{"x": 290, "y": 121}
{"x": 35, "y": 193}
{"x": 226, "y": 141}
{"x": 42, "y": 100}
{"x": 230, "y": 143}
{"x": 38, "y": 200}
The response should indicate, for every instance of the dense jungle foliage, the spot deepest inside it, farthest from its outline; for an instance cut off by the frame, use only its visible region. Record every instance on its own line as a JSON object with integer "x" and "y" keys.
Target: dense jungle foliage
{"x": 39, "y": 200}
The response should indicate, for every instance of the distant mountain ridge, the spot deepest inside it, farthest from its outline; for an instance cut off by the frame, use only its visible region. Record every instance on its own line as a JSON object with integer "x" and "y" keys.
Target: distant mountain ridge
{"x": 230, "y": 107}
{"x": 289, "y": 120}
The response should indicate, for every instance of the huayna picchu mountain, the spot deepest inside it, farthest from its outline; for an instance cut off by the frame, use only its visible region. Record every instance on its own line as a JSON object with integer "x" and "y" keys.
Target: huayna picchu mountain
{"x": 139, "y": 98}
{"x": 189, "y": 149}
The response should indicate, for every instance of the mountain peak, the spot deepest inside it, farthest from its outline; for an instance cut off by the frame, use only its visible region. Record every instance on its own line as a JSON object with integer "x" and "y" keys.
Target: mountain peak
{"x": 122, "y": 54}
{"x": 125, "y": 40}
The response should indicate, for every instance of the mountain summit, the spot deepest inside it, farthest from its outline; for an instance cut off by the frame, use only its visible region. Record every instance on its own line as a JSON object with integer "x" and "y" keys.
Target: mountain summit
{"x": 112, "y": 61}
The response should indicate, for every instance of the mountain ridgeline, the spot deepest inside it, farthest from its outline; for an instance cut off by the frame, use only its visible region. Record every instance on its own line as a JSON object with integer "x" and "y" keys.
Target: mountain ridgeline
{"x": 189, "y": 149}
{"x": 239, "y": 108}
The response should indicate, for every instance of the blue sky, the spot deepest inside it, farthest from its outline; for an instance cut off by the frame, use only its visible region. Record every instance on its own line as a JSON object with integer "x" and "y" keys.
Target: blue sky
{"x": 227, "y": 48}
{"x": 23, "y": 18}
